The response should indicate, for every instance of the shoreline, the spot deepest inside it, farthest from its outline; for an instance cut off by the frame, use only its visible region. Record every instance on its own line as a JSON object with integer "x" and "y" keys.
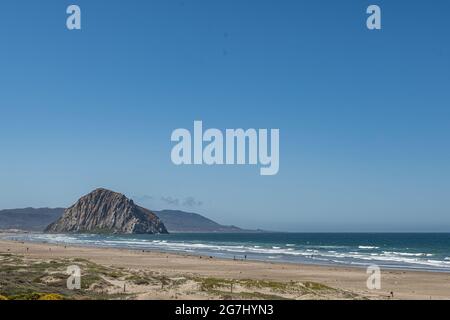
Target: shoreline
{"x": 405, "y": 284}
{"x": 239, "y": 258}
{"x": 236, "y": 257}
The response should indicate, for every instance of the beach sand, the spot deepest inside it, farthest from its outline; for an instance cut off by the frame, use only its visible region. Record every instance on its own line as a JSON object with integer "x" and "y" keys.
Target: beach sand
{"x": 156, "y": 275}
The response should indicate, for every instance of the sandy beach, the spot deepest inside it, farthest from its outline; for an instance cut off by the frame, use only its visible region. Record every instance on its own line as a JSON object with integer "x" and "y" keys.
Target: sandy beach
{"x": 157, "y": 275}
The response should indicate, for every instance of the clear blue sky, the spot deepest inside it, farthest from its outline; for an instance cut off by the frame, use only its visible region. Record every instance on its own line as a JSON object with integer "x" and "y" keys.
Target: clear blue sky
{"x": 364, "y": 116}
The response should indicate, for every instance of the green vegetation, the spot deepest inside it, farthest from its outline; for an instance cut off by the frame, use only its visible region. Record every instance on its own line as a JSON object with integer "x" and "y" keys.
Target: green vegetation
{"x": 138, "y": 280}
{"x": 23, "y": 278}
{"x": 28, "y": 279}
{"x": 264, "y": 289}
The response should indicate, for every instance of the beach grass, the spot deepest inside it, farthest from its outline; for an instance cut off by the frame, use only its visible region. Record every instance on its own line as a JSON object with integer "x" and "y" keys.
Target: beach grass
{"x": 25, "y": 278}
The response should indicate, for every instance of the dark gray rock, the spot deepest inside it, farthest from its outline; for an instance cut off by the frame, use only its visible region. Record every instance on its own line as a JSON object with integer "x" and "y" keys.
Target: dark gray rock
{"x": 105, "y": 211}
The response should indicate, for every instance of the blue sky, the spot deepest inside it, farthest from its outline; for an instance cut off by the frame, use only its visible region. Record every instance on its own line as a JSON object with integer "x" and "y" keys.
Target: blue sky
{"x": 363, "y": 115}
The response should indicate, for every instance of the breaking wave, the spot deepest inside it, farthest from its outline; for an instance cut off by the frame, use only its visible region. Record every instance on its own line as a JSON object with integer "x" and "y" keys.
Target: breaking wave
{"x": 361, "y": 255}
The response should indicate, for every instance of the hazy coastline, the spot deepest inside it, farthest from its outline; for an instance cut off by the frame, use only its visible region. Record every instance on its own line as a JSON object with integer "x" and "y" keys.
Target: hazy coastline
{"x": 423, "y": 252}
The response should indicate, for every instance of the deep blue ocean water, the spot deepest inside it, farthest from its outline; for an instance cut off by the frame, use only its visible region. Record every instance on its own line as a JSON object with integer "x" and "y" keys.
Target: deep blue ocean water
{"x": 424, "y": 251}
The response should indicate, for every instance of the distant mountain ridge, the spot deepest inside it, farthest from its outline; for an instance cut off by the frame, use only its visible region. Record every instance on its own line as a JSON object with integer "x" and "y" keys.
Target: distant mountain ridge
{"x": 30, "y": 219}
{"x": 180, "y": 221}
{"x": 105, "y": 211}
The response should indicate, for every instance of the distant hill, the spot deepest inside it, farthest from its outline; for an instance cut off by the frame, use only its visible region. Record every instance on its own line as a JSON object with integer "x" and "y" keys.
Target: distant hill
{"x": 29, "y": 218}
{"x": 180, "y": 221}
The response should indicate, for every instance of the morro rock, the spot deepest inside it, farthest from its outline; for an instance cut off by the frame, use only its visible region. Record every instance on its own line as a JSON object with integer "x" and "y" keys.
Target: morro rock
{"x": 105, "y": 211}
